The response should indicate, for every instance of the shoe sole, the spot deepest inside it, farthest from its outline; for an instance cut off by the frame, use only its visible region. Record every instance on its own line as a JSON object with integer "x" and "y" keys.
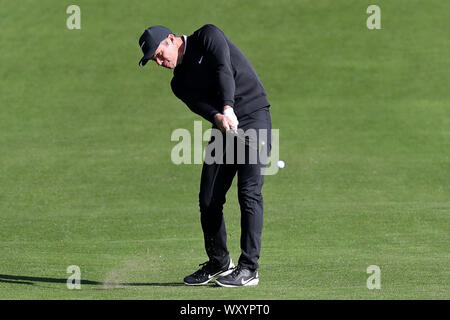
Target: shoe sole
{"x": 222, "y": 274}
{"x": 253, "y": 282}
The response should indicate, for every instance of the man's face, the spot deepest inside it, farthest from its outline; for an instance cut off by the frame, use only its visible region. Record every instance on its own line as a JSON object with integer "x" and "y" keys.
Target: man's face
{"x": 166, "y": 55}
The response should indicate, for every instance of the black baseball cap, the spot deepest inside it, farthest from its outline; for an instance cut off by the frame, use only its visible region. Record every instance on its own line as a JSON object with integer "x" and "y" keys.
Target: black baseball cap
{"x": 150, "y": 40}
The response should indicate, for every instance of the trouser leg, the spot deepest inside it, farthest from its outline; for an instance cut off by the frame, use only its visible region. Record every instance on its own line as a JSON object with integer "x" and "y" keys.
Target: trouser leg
{"x": 215, "y": 182}
{"x": 250, "y": 183}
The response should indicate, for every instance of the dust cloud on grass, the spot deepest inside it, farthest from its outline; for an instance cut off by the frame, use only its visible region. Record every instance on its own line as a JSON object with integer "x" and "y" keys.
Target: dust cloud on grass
{"x": 134, "y": 272}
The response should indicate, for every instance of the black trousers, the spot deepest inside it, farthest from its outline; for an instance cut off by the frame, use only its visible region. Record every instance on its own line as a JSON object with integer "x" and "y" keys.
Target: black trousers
{"x": 215, "y": 182}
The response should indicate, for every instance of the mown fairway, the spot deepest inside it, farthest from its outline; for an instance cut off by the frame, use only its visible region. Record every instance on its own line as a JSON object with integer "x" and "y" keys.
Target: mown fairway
{"x": 86, "y": 177}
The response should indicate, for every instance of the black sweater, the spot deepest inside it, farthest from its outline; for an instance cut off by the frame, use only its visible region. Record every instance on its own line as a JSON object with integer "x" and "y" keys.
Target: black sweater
{"x": 215, "y": 73}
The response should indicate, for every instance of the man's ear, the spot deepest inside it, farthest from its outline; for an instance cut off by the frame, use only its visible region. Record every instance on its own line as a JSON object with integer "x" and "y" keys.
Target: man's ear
{"x": 171, "y": 38}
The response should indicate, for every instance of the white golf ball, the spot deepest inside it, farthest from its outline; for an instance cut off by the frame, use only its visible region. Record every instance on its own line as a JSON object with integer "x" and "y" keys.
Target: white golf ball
{"x": 280, "y": 164}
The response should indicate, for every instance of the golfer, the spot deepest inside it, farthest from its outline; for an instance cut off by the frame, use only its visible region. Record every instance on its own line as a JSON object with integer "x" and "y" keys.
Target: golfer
{"x": 216, "y": 81}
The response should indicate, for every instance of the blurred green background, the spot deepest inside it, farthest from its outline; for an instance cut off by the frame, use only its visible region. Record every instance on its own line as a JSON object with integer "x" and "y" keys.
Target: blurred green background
{"x": 86, "y": 177}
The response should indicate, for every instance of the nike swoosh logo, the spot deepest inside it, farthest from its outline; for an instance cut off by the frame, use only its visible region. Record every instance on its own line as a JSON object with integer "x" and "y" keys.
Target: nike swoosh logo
{"x": 244, "y": 282}
{"x": 213, "y": 275}
{"x": 200, "y": 61}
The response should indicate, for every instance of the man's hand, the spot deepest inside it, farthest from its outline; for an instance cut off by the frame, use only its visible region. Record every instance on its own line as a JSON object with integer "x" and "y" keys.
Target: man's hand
{"x": 227, "y": 120}
{"x": 222, "y": 122}
{"x": 229, "y": 112}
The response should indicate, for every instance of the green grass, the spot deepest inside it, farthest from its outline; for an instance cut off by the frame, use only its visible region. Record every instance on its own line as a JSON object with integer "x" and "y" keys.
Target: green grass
{"x": 86, "y": 177}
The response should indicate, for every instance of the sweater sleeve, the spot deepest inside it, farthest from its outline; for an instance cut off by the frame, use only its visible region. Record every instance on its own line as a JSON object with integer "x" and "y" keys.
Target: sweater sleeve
{"x": 217, "y": 48}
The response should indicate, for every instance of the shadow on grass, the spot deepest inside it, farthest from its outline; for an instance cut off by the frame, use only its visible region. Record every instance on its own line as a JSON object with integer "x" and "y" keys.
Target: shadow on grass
{"x": 27, "y": 280}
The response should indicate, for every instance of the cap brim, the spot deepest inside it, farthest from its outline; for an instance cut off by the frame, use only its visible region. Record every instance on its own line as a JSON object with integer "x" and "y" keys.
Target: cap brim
{"x": 143, "y": 62}
{"x": 147, "y": 57}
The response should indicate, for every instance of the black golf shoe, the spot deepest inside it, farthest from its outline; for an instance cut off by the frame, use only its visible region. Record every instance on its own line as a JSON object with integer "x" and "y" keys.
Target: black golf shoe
{"x": 207, "y": 273}
{"x": 240, "y": 277}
